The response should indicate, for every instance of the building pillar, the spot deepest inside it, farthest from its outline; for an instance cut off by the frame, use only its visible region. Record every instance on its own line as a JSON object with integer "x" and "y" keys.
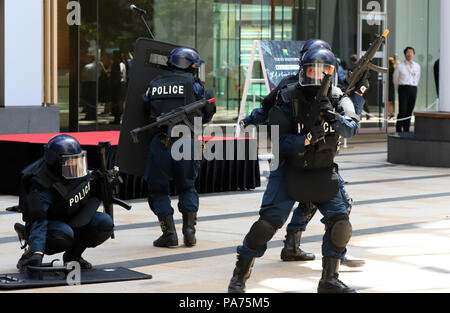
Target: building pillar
{"x": 22, "y": 53}
{"x": 444, "y": 63}
{"x": 21, "y": 75}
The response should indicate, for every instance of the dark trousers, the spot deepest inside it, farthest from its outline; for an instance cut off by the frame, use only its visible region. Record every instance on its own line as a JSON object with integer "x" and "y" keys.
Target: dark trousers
{"x": 162, "y": 169}
{"x": 407, "y": 100}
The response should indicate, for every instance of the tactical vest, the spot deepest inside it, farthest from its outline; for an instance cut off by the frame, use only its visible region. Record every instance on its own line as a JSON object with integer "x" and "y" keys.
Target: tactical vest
{"x": 312, "y": 176}
{"x": 322, "y": 154}
{"x": 170, "y": 91}
{"x": 70, "y": 196}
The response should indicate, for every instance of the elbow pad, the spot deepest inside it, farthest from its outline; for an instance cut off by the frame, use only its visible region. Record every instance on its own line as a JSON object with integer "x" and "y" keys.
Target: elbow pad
{"x": 348, "y": 109}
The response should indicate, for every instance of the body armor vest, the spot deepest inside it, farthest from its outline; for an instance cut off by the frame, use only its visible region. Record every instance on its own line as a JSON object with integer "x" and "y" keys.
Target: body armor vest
{"x": 170, "y": 91}
{"x": 312, "y": 176}
{"x": 70, "y": 196}
{"x": 322, "y": 154}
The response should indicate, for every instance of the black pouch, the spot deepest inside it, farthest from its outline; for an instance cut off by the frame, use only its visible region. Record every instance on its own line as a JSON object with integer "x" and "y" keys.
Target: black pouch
{"x": 312, "y": 185}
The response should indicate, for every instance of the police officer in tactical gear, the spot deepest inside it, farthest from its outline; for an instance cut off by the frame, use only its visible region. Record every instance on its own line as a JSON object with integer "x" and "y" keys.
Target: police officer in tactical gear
{"x": 307, "y": 173}
{"x": 178, "y": 87}
{"x": 304, "y": 213}
{"x": 59, "y": 201}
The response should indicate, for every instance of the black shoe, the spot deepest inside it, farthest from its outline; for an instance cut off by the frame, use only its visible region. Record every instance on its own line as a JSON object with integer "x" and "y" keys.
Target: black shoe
{"x": 292, "y": 252}
{"x": 74, "y": 255}
{"x": 169, "y": 237}
{"x": 189, "y": 222}
{"x": 352, "y": 262}
{"x": 330, "y": 274}
{"x": 241, "y": 274}
{"x": 84, "y": 265}
{"x": 25, "y": 256}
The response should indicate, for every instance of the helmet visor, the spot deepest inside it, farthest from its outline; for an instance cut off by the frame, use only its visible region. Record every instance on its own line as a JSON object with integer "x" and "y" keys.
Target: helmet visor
{"x": 74, "y": 166}
{"x": 313, "y": 73}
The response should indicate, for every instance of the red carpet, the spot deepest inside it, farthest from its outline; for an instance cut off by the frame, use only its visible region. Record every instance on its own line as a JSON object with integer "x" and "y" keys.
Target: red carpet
{"x": 89, "y": 138}
{"x": 86, "y": 139}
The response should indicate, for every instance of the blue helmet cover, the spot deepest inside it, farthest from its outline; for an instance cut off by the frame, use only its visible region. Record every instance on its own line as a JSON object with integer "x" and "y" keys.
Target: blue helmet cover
{"x": 184, "y": 58}
{"x": 59, "y": 146}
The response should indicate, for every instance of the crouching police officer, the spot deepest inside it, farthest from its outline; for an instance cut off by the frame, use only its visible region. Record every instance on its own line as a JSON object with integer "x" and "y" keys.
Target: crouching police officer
{"x": 307, "y": 172}
{"x": 59, "y": 201}
{"x": 176, "y": 88}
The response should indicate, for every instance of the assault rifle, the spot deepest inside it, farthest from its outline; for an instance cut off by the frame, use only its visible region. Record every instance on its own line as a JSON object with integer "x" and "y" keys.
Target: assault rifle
{"x": 365, "y": 64}
{"x": 175, "y": 117}
{"x": 317, "y": 116}
{"x": 108, "y": 180}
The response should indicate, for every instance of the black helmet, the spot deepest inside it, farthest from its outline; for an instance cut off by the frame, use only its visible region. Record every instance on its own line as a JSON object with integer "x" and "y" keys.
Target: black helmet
{"x": 314, "y": 63}
{"x": 184, "y": 58}
{"x": 313, "y": 44}
{"x": 64, "y": 155}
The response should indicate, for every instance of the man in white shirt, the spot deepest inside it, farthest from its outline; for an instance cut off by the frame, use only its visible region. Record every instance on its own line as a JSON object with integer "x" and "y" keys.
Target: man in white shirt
{"x": 406, "y": 80}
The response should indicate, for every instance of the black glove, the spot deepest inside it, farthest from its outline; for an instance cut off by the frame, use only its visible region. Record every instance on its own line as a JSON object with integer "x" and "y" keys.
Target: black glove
{"x": 316, "y": 134}
{"x": 34, "y": 260}
{"x": 243, "y": 124}
{"x": 363, "y": 85}
{"x": 210, "y": 109}
{"x": 325, "y": 104}
{"x": 330, "y": 116}
{"x": 165, "y": 140}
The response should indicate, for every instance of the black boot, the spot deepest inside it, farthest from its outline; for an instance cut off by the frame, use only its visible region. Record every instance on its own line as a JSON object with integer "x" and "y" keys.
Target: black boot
{"x": 330, "y": 274}
{"x": 189, "y": 222}
{"x": 25, "y": 256}
{"x": 241, "y": 273}
{"x": 352, "y": 262}
{"x": 292, "y": 251}
{"x": 169, "y": 237}
{"x": 74, "y": 255}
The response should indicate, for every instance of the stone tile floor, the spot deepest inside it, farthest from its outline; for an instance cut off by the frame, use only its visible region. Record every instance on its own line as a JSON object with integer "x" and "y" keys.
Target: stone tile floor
{"x": 401, "y": 227}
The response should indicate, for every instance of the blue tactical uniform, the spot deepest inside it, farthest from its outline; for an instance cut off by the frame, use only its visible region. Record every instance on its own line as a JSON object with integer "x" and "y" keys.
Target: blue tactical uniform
{"x": 303, "y": 214}
{"x": 306, "y": 175}
{"x": 174, "y": 89}
{"x": 277, "y": 204}
{"x": 161, "y": 169}
{"x": 61, "y": 211}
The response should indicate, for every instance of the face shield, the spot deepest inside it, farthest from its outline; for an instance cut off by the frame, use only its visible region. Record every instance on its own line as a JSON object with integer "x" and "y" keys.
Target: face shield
{"x": 313, "y": 73}
{"x": 74, "y": 166}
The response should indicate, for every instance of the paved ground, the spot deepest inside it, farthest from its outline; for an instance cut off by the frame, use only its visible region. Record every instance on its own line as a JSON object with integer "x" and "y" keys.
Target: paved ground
{"x": 401, "y": 222}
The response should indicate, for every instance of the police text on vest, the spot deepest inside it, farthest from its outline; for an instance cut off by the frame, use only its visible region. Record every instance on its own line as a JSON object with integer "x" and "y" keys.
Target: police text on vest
{"x": 168, "y": 90}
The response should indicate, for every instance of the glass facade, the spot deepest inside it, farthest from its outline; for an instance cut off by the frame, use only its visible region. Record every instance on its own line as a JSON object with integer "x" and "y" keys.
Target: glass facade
{"x": 417, "y": 24}
{"x": 94, "y": 59}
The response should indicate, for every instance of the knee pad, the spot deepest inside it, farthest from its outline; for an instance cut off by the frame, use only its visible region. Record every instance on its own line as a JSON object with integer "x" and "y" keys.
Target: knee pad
{"x": 57, "y": 242}
{"x": 260, "y": 234}
{"x": 339, "y": 232}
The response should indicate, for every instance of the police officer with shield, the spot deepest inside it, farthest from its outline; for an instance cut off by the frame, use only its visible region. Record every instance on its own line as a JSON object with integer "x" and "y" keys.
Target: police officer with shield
{"x": 59, "y": 201}
{"x": 307, "y": 172}
{"x": 175, "y": 88}
{"x": 304, "y": 213}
